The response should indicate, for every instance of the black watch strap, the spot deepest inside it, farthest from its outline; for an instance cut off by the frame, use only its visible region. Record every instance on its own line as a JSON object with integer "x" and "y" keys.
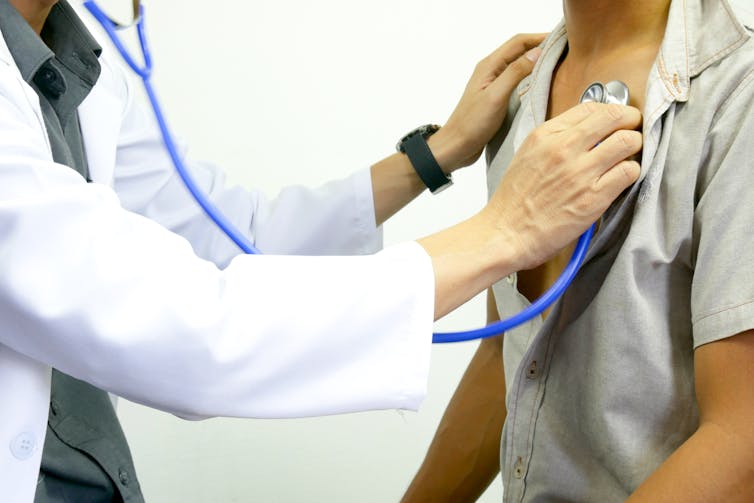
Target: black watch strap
{"x": 418, "y": 152}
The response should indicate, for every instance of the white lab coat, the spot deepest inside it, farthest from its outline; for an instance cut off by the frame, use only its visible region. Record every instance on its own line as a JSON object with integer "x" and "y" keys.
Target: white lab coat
{"x": 90, "y": 286}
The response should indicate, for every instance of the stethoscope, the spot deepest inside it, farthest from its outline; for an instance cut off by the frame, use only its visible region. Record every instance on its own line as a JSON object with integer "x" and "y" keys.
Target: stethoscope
{"x": 612, "y": 92}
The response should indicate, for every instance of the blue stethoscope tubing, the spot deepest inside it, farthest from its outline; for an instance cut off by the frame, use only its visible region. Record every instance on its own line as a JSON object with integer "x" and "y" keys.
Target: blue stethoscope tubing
{"x": 145, "y": 72}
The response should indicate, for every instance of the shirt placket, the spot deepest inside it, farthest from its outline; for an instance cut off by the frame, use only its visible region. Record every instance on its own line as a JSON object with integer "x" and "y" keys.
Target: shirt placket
{"x": 528, "y": 390}
{"x": 528, "y": 384}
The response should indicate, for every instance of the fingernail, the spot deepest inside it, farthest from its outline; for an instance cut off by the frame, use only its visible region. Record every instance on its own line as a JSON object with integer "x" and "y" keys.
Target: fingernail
{"x": 533, "y": 54}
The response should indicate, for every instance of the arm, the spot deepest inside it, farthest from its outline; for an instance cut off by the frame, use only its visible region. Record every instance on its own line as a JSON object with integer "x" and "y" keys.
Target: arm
{"x": 459, "y": 143}
{"x": 128, "y": 307}
{"x": 464, "y": 456}
{"x": 717, "y": 462}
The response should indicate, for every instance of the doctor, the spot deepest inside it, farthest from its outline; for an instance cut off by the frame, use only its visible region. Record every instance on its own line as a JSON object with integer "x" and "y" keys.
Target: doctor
{"x": 124, "y": 284}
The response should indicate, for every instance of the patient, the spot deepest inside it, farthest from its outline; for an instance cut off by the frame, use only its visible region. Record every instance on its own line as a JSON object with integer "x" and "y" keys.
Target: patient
{"x": 639, "y": 385}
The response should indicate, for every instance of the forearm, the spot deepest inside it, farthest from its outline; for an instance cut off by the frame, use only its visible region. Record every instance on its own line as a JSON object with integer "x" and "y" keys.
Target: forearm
{"x": 714, "y": 464}
{"x": 467, "y": 258}
{"x": 395, "y": 182}
{"x": 464, "y": 455}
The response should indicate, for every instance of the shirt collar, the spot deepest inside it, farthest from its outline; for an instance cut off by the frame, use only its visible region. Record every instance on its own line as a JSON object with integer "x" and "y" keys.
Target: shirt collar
{"x": 699, "y": 34}
{"x": 70, "y": 42}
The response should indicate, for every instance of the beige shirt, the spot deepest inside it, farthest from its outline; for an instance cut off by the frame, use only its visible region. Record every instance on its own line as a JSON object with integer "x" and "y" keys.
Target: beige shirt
{"x": 603, "y": 392}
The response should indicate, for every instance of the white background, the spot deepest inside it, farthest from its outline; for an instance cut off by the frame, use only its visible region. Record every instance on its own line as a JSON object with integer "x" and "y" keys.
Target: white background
{"x": 300, "y": 92}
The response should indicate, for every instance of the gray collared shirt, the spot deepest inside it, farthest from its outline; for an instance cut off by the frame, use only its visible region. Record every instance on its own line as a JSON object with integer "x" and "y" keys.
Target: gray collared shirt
{"x": 85, "y": 456}
{"x": 61, "y": 66}
{"x": 602, "y": 393}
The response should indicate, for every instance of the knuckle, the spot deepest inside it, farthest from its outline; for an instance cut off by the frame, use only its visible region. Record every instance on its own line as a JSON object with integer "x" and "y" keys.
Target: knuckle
{"x": 572, "y": 139}
{"x": 630, "y": 140}
{"x": 539, "y": 135}
{"x": 520, "y": 65}
{"x": 495, "y": 101}
{"x": 614, "y": 112}
{"x": 636, "y": 139}
{"x": 625, "y": 138}
{"x": 631, "y": 170}
{"x": 557, "y": 155}
{"x": 567, "y": 145}
{"x": 589, "y": 107}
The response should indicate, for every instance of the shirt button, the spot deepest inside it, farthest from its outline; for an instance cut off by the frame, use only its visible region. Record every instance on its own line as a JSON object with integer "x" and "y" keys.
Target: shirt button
{"x": 54, "y": 408}
{"x": 511, "y": 279}
{"x": 532, "y": 372}
{"x": 518, "y": 468}
{"x": 22, "y": 447}
{"x": 123, "y": 476}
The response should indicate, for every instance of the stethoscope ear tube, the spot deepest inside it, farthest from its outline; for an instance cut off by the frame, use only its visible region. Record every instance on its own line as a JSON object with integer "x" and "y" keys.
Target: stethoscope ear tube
{"x": 145, "y": 73}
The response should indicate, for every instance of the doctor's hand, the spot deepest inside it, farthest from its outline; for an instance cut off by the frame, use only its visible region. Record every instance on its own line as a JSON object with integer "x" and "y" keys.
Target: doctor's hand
{"x": 482, "y": 108}
{"x": 557, "y": 185}
{"x": 559, "y": 182}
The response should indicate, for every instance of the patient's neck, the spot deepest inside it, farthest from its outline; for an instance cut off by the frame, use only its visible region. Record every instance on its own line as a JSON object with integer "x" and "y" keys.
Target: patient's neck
{"x": 608, "y": 40}
{"x": 600, "y": 27}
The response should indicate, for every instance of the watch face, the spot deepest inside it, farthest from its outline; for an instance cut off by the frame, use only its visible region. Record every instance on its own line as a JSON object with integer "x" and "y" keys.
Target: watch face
{"x": 425, "y": 131}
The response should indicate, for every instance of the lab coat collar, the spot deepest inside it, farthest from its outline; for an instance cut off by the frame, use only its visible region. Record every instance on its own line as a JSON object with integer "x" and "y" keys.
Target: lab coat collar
{"x": 5, "y": 56}
{"x": 6, "y": 59}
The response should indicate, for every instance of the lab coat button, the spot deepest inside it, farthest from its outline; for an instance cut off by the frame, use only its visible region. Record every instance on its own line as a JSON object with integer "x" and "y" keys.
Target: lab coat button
{"x": 123, "y": 476}
{"x": 22, "y": 447}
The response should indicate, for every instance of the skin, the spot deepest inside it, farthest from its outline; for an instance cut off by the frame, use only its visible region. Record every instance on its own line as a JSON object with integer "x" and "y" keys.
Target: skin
{"x": 608, "y": 40}
{"x": 34, "y": 11}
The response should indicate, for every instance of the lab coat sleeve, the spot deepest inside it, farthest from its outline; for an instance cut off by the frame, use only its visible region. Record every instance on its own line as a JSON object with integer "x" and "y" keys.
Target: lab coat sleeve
{"x": 111, "y": 297}
{"x": 334, "y": 219}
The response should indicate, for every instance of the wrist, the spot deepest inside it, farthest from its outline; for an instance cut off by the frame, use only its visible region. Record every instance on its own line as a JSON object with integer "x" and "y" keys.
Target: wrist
{"x": 447, "y": 149}
{"x": 416, "y": 147}
{"x": 467, "y": 258}
{"x": 500, "y": 244}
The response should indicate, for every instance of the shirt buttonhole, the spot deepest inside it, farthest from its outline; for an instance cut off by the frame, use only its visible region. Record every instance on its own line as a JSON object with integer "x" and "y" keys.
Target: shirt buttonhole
{"x": 518, "y": 469}
{"x": 532, "y": 371}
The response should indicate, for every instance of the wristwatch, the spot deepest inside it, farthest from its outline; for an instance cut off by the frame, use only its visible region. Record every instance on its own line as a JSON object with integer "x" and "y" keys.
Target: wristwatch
{"x": 414, "y": 145}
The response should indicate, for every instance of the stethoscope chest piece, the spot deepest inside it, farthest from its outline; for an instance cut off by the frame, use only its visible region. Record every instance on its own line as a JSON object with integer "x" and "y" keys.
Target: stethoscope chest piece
{"x": 614, "y": 91}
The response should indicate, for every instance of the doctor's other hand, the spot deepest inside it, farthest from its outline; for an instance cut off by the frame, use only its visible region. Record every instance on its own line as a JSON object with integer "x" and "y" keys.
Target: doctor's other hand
{"x": 557, "y": 184}
{"x": 563, "y": 177}
{"x": 484, "y": 103}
